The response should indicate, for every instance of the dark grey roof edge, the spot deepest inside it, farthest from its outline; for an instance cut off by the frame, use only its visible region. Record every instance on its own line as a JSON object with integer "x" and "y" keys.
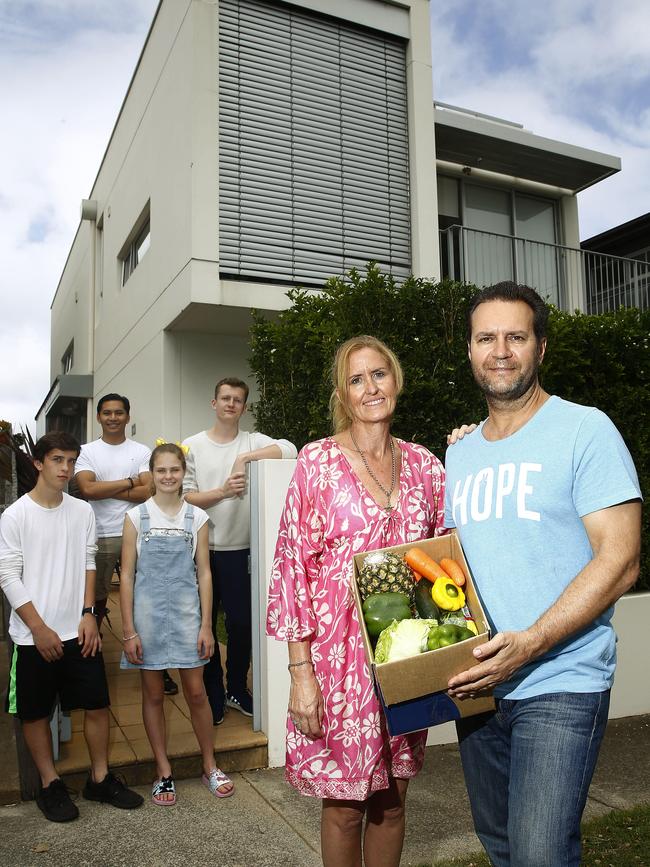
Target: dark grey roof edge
{"x": 525, "y": 138}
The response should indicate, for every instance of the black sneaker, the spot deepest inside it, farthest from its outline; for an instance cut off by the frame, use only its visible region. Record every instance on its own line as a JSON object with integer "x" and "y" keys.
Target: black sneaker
{"x": 170, "y": 686}
{"x": 55, "y": 803}
{"x": 112, "y": 791}
{"x": 243, "y": 702}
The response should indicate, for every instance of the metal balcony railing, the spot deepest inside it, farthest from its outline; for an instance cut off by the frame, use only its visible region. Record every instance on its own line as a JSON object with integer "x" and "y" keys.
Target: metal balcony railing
{"x": 568, "y": 277}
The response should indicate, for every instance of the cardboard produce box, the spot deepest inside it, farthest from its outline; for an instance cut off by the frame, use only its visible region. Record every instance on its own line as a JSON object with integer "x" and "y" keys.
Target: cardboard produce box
{"x": 413, "y": 691}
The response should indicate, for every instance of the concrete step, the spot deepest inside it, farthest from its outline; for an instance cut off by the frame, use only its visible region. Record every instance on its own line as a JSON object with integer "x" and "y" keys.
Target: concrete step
{"x": 237, "y": 746}
{"x": 142, "y": 773}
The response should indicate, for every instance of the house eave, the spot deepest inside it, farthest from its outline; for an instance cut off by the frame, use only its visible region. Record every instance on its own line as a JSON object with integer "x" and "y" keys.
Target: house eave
{"x": 66, "y": 386}
{"x": 477, "y": 141}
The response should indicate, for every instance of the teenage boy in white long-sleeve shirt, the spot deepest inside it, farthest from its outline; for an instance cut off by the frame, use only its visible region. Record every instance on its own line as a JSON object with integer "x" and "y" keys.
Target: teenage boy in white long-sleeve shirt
{"x": 216, "y": 481}
{"x": 47, "y": 571}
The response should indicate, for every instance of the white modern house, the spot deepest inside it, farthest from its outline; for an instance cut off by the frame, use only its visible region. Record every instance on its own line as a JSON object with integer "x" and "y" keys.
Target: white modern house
{"x": 265, "y": 144}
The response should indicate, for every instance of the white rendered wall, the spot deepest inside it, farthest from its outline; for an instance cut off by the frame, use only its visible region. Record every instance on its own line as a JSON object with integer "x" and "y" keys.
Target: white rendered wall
{"x": 170, "y": 382}
{"x": 141, "y": 380}
{"x": 571, "y": 238}
{"x": 70, "y": 313}
{"x": 631, "y": 691}
{"x": 270, "y": 486}
{"x": 425, "y": 248}
{"x": 204, "y": 360}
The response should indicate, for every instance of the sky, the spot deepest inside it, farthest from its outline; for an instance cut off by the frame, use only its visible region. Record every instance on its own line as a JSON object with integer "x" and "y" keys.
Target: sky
{"x": 574, "y": 71}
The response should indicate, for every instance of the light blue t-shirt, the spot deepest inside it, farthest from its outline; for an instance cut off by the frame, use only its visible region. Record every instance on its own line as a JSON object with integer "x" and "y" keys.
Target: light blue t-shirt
{"x": 517, "y": 504}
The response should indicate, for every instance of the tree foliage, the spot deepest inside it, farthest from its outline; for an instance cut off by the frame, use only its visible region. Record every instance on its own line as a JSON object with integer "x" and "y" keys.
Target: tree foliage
{"x": 601, "y": 361}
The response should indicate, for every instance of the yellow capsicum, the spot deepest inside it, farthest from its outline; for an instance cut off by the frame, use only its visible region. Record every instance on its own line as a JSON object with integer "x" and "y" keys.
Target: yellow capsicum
{"x": 447, "y": 595}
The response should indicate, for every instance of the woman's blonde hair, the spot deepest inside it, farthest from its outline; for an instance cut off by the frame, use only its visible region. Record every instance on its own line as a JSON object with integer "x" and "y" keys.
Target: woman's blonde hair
{"x": 339, "y": 403}
{"x": 162, "y": 449}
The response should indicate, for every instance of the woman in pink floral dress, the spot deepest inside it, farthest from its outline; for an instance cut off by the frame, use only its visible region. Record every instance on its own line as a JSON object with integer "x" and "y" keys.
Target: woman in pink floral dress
{"x": 355, "y": 491}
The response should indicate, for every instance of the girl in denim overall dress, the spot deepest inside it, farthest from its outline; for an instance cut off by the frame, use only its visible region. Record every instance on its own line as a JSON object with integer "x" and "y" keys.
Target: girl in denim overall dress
{"x": 166, "y": 604}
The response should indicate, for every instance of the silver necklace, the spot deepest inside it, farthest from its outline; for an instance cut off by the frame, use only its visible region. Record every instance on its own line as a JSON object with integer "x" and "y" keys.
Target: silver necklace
{"x": 393, "y": 465}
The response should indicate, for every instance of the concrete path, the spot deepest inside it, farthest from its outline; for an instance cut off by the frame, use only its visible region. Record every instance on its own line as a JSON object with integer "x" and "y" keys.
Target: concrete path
{"x": 267, "y": 823}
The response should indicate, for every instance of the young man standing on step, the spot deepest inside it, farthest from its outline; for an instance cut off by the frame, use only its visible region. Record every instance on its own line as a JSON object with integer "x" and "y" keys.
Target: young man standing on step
{"x": 47, "y": 571}
{"x": 216, "y": 481}
{"x": 113, "y": 474}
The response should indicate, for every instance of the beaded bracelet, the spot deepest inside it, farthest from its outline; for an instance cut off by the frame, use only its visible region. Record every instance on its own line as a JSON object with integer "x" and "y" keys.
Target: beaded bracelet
{"x": 298, "y": 664}
{"x": 129, "y": 637}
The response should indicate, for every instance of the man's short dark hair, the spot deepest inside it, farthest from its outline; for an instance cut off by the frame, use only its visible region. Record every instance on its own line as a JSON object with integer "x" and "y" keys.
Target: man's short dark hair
{"x": 55, "y": 439}
{"x": 509, "y": 291}
{"x": 233, "y": 382}
{"x": 125, "y": 402}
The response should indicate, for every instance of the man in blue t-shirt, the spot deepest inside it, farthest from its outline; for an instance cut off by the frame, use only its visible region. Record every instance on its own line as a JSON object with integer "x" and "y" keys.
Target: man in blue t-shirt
{"x": 546, "y": 502}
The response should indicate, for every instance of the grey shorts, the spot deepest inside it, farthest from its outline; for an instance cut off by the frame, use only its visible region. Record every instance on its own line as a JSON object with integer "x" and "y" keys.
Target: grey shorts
{"x": 108, "y": 553}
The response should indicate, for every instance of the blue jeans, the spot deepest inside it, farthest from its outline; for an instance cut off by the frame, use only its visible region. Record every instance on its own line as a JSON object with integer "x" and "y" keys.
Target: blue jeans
{"x": 527, "y": 770}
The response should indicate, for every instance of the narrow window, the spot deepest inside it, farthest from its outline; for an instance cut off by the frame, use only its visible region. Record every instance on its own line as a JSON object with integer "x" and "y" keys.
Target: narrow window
{"x": 68, "y": 359}
{"x": 136, "y": 245}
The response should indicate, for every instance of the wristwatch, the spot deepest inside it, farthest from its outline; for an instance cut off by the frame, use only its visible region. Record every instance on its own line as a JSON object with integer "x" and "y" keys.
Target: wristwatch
{"x": 90, "y": 610}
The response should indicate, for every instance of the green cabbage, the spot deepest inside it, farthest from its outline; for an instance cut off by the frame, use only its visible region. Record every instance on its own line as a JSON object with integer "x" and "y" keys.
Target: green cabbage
{"x": 402, "y": 639}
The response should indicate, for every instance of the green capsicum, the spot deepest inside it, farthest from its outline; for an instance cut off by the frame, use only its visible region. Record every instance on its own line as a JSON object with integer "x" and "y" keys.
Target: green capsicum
{"x": 380, "y": 609}
{"x": 447, "y": 595}
{"x": 446, "y": 634}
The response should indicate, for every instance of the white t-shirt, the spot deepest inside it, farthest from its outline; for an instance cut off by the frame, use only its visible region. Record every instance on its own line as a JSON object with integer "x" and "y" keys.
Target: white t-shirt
{"x": 208, "y": 466}
{"x": 44, "y": 556}
{"x": 160, "y": 521}
{"x": 108, "y": 463}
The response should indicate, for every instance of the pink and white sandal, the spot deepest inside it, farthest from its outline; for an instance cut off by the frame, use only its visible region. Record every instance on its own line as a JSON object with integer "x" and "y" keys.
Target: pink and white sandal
{"x": 215, "y": 780}
{"x": 163, "y": 792}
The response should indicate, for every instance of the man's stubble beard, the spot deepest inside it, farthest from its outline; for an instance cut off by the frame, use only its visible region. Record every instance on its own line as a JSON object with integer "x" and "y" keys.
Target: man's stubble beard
{"x": 514, "y": 392}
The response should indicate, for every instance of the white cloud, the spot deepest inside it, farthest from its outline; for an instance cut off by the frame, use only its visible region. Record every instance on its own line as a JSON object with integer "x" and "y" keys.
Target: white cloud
{"x": 577, "y": 72}
{"x": 64, "y": 69}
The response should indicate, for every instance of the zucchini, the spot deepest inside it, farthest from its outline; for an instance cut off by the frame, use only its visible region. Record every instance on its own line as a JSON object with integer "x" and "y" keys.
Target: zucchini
{"x": 426, "y": 607}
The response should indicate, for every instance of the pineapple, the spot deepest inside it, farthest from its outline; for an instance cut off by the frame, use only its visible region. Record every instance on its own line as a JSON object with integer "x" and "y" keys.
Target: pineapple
{"x": 384, "y": 572}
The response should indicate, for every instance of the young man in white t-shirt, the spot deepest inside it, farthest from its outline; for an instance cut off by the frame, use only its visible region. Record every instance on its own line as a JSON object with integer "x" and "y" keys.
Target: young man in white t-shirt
{"x": 112, "y": 473}
{"x": 47, "y": 571}
{"x": 216, "y": 481}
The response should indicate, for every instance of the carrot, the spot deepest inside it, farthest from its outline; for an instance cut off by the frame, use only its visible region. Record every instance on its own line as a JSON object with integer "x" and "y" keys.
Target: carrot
{"x": 454, "y": 571}
{"x": 416, "y": 575}
{"x": 425, "y": 565}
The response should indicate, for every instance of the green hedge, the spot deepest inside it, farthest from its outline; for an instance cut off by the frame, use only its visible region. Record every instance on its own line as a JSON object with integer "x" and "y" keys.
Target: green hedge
{"x": 602, "y": 361}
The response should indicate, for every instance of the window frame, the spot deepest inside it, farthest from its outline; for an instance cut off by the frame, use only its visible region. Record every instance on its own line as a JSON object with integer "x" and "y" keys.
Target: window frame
{"x": 132, "y": 253}
{"x": 67, "y": 359}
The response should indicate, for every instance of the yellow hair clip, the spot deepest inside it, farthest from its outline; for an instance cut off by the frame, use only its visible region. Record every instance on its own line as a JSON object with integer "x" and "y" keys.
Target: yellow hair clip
{"x": 161, "y": 442}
